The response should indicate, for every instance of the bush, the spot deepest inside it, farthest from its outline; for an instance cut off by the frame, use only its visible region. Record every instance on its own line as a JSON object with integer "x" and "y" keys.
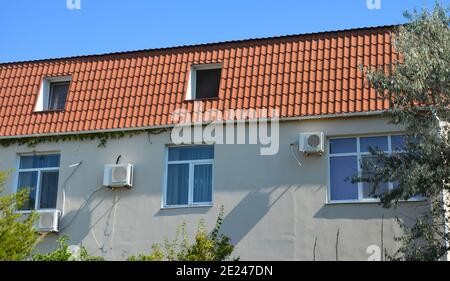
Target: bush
{"x": 62, "y": 253}
{"x": 206, "y": 247}
{"x": 18, "y": 236}
{"x": 155, "y": 255}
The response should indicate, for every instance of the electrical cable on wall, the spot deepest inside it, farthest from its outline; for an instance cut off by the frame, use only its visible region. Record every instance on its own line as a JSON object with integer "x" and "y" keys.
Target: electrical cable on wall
{"x": 111, "y": 240}
{"x": 108, "y": 236}
{"x": 293, "y": 154}
{"x": 79, "y": 209}
{"x": 85, "y": 203}
{"x": 149, "y": 139}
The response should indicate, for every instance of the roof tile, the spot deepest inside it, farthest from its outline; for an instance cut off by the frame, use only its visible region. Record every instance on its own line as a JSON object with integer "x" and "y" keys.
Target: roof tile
{"x": 301, "y": 75}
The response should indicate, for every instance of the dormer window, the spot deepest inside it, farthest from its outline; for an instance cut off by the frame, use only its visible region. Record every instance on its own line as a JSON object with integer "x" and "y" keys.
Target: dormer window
{"x": 53, "y": 94}
{"x": 58, "y": 95}
{"x": 204, "y": 82}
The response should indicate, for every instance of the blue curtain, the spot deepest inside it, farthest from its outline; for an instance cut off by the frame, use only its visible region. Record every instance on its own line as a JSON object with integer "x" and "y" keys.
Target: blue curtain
{"x": 28, "y": 180}
{"x": 376, "y": 143}
{"x": 177, "y": 184}
{"x": 39, "y": 161}
{"x": 182, "y": 153}
{"x": 343, "y": 145}
{"x": 203, "y": 183}
{"x": 49, "y": 190}
{"x": 342, "y": 169}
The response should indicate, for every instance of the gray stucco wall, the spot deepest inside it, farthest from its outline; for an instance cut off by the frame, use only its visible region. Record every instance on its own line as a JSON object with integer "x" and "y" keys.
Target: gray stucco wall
{"x": 274, "y": 209}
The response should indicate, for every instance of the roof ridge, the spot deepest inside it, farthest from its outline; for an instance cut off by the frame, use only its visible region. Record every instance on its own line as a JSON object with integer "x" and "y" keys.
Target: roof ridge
{"x": 201, "y": 44}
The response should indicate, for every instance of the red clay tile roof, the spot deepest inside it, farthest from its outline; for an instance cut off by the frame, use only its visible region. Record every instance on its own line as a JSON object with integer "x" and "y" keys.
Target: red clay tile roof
{"x": 300, "y": 75}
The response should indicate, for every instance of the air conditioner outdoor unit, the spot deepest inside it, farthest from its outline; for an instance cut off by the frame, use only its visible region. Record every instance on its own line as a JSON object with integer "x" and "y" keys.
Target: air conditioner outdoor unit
{"x": 48, "y": 220}
{"x": 119, "y": 175}
{"x": 312, "y": 143}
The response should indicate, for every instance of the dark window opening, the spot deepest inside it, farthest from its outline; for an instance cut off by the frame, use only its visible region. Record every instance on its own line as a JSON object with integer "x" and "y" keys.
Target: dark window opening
{"x": 207, "y": 83}
{"x": 58, "y": 95}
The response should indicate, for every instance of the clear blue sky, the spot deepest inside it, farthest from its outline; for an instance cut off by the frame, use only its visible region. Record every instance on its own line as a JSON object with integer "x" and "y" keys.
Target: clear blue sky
{"x": 35, "y": 29}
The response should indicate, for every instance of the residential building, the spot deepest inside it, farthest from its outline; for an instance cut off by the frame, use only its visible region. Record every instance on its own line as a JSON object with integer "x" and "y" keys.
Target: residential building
{"x": 280, "y": 205}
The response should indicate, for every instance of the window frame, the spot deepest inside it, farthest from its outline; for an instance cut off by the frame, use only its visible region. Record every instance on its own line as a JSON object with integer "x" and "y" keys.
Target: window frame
{"x": 43, "y": 100}
{"x": 51, "y": 93}
{"x": 359, "y": 155}
{"x": 192, "y": 164}
{"x": 38, "y": 180}
{"x": 191, "y": 94}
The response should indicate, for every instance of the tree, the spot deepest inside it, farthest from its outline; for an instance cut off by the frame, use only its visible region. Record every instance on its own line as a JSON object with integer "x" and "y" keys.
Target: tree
{"x": 17, "y": 233}
{"x": 206, "y": 247}
{"x": 417, "y": 86}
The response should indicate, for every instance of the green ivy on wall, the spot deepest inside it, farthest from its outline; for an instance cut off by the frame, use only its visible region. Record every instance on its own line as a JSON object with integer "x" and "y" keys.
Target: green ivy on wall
{"x": 102, "y": 137}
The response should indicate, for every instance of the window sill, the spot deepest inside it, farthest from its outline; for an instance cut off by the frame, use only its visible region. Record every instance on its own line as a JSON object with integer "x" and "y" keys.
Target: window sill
{"x": 37, "y": 211}
{"x": 186, "y": 206}
{"x": 49, "y": 111}
{"x": 202, "y": 99}
{"x": 23, "y": 212}
{"x": 345, "y": 202}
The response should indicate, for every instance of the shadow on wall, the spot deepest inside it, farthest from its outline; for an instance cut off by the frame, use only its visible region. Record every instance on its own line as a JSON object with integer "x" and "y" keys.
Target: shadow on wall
{"x": 80, "y": 222}
{"x": 182, "y": 211}
{"x": 249, "y": 211}
{"x": 370, "y": 211}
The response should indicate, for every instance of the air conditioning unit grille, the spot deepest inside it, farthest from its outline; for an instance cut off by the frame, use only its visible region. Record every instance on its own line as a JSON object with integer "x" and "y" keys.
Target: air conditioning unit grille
{"x": 118, "y": 175}
{"x": 48, "y": 220}
{"x": 312, "y": 143}
{"x": 313, "y": 140}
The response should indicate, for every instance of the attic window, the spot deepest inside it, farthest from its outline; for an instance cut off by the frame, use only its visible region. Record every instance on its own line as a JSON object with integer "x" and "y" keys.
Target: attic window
{"x": 53, "y": 94}
{"x": 57, "y": 95}
{"x": 204, "y": 82}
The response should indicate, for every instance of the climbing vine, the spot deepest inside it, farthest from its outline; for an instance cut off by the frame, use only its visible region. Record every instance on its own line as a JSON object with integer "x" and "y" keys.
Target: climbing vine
{"x": 102, "y": 137}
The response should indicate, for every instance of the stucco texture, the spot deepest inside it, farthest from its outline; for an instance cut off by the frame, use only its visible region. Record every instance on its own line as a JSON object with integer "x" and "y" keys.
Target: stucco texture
{"x": 274, "y": 209}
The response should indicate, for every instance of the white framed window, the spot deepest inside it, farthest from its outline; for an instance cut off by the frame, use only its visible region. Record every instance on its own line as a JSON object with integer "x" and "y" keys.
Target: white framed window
{"x": 40, "y": 174}
{"x": 189, "y": 176}
{"x": 204, "y": 81}
{"x": 345, "y": 159}
{"x": 53, "y": 94}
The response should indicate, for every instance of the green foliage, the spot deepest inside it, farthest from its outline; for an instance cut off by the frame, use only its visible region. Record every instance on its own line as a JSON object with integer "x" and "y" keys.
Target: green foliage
{"x": 418, "y": 88}
{"x": 17, "y": 233}
{"x": 156, "y": 255}
{"x": 102, "y": 137}
{"x": 206, "y": 247}
{"x": 62, "y": 253}
{"x": 424, "y": 241}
